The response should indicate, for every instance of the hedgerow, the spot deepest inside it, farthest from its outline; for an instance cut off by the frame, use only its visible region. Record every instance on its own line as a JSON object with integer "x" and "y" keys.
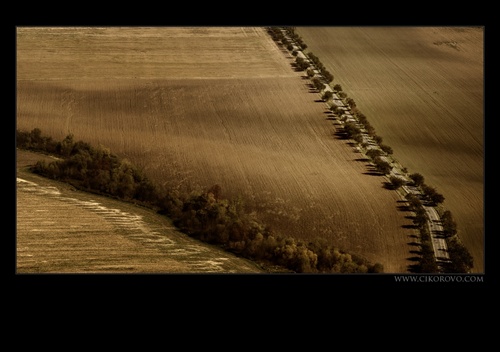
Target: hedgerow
{"x": 202, "y": 215}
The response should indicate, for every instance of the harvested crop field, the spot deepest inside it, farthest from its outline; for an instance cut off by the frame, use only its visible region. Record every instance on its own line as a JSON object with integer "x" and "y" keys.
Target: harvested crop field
{"x": 227, "y": 109}
{"x": 61, "y": 230}
{"x": 422, "y": 88}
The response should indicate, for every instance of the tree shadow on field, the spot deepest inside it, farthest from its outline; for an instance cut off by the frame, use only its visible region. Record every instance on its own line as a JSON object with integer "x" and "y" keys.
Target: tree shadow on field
{"x": 415, "y": 266}
{"x": 319, "y": 101}
{"x": 388, "y": 185}
{"x": 295, "y": 67}
{"x": 403, "y": 208}
{"x": 410, "y": 227}
{"x": 372, "y": 173}
{"x": 340, "y": 135}
{"x": 416, "y": 261}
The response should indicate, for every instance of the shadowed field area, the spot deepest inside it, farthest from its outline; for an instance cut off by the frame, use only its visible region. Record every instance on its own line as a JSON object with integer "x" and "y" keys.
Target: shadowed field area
{"x": 225, "y": 109}
{"x": 422, "y": 88}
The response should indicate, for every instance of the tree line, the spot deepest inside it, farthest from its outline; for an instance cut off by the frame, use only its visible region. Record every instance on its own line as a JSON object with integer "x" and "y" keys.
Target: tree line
{"x": 204, "y": 215}
{"x": 461, "y": 260}
{"x": 301, "y": 64}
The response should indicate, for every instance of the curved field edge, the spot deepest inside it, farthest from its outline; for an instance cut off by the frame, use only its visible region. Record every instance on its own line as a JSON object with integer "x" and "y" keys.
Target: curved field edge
{"x": 62, "y": 230}
{"x": 204, "y": 216}
{"x": 264, "y": 139}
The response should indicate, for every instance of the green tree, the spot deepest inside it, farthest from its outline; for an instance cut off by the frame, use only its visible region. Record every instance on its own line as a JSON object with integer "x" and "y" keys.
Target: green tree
{"x": 36, "y": 135}
{"x": 386, "y": 148}
{"x": 420, "y": 218}
{"x": 432, "y": 194}
{"x": 376, "y": 268}
{"x": 313, "y": 58}
{"x": 327, "y": 95}
{"x": 305, "y": 260}
{"x": 381, "y": 165}
{"x": 437, "y": 198}
{"x": 361, "y": 117}
{"x": 372, "y": 153}
{"x": 358, "y": 138}
{"x": 65, "y": 147}
{"x": 317, "y": 83}
{"x": 461, "y": 260}
{"x": 351, "y": 102}
{"x": 301, "y": 64}
{"x": 328, "y": 76}
{"x": 414, "y": 201}
{"x": 449, "y": 224}
{"x": 427, "y": 260}
{"x": 396, "y": 182}
{"x": 351, "y": 129}
{"x": 417, "y": 179}
{"x": 22, "y": 139}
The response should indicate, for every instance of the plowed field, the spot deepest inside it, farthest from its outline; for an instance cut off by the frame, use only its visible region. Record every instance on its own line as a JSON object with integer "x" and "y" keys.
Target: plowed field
{"x": 196, "y": 107}
{"x": 61, "y": 230}
{"x": 422, "y": 89}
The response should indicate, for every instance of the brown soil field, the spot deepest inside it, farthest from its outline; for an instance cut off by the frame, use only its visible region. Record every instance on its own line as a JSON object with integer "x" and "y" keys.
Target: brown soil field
{"x": 62, "y": 230}
{"x": 225, "y": 109}
{"x": 422, "y": 88}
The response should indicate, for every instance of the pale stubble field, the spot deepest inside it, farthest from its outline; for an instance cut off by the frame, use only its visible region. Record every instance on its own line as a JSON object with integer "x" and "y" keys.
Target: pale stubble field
{"x": 249, "y": 124}
{"x": 62, "y": 230}
{"x": 422, "y": 88}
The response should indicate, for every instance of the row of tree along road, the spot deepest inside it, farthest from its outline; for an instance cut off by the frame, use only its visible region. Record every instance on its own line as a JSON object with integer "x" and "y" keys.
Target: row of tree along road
{"x": 441, "y": 248}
